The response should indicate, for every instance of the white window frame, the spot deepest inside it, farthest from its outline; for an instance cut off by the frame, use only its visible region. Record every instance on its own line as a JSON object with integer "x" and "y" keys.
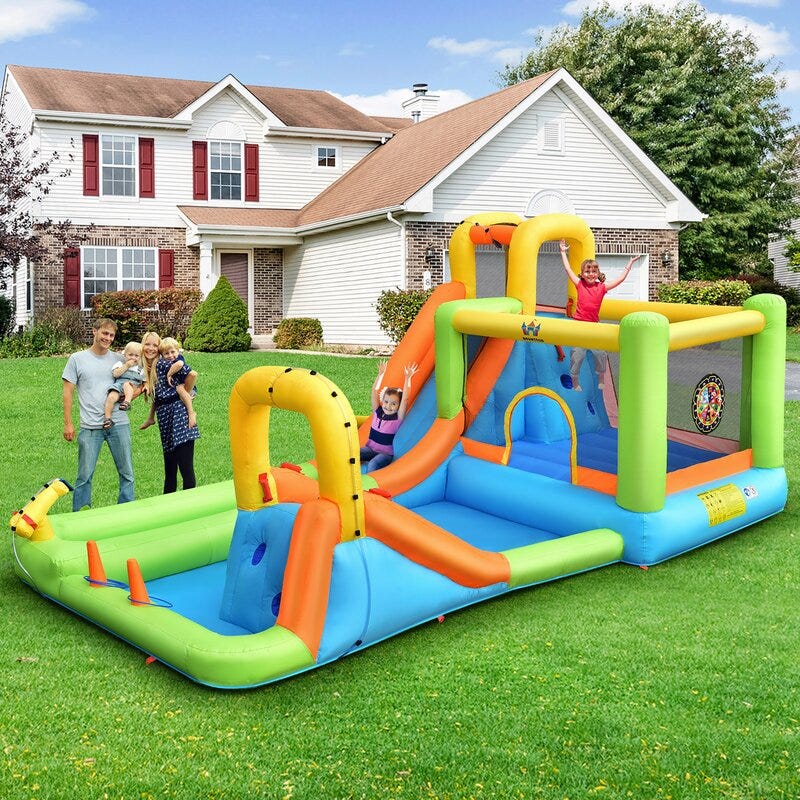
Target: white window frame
{"x": 550, "y": 135}
{"x": 337, "y": 157}
{"x": 134, "y": 166}
{"x": 230, "y": 144}
{"x": 119, "y": 278}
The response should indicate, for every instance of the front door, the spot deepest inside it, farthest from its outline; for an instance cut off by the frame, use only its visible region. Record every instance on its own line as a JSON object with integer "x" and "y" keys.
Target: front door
{"x": 235, "y": 267}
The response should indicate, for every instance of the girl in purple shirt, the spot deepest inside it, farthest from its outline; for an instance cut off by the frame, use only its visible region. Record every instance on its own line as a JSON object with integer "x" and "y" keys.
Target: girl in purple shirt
{"x": 388, "y": 414}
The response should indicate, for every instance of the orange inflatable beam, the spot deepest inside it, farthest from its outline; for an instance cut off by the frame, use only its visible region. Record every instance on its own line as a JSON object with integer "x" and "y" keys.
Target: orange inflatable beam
{"x": 498, "y": 234}
{"x": 425, "y": 543}
{"x": 483, "y": 374}
{"x": 294, "y": 487}
{"x": 307, "y": 578}
{"x": 416, "y": 348}
{"x": 423, "y": 458}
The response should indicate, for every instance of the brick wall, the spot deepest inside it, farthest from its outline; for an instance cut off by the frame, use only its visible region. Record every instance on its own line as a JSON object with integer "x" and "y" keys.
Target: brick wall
{"x": 420, "y": 236}
{"x": 656, "y": 243}
{"x": 49, "y": 275}
{"x": 267, "y": 289}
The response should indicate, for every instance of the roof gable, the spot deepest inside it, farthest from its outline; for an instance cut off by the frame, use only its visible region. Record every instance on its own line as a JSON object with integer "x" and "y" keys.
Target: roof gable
{"x": 396, "y": 170}
{"x": 168, "y": 98}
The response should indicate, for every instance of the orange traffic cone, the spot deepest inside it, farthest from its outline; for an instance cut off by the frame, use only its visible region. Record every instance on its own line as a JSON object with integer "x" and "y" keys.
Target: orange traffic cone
{"x": 139, "y": 594}
{"x": 97, "y": 575}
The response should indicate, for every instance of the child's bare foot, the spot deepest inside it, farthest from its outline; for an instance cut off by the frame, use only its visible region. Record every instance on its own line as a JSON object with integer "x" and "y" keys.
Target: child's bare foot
{"x": 147, "y": 423}
{"x": 192, "y": 419}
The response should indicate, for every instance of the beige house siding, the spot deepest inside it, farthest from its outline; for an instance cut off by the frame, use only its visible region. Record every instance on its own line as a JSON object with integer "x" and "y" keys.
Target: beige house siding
{"x": 336, "y": 277}
{"x": 506, "y": 173}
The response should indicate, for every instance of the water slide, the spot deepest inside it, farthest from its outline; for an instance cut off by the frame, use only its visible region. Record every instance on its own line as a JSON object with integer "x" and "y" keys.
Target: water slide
{"x": 288, "y": 568}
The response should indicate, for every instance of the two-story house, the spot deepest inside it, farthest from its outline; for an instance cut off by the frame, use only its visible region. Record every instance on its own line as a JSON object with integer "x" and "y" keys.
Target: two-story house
{"x": 312, "y": 208}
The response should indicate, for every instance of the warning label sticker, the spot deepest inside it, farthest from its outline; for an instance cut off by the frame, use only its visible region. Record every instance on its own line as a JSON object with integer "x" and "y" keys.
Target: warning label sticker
{"x": 723, "y": 503}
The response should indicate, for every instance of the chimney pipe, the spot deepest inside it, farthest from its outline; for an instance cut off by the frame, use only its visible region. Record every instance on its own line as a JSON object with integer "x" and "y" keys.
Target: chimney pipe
{"x": 420, "y": 89}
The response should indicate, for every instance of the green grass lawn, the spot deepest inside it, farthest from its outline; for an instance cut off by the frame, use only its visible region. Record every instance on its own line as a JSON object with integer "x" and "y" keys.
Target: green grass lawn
{"x": 680, "y": 681}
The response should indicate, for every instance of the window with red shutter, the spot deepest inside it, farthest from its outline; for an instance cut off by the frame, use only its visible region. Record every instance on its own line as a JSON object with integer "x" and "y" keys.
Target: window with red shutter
{"x": 200, "y": 170}
{"x": 72, "y": 277}
{"x": 147, "y": 176}
{"x": 91, "y": 165}
{"x": 166, "y": 268}
{"x": 251, "y": 172}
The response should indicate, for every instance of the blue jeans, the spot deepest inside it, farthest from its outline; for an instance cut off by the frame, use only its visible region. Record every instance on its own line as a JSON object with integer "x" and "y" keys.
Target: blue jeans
{"x": 89, "y": 444}
{"x": 370, "y": 460}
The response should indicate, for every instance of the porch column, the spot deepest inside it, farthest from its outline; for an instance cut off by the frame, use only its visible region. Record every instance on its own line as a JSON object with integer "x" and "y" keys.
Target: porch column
{"x": 207, "y": 277}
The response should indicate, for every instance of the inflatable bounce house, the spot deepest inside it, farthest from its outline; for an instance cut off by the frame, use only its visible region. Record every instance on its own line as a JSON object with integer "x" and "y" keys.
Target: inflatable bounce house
{"x": 504, "y": 476}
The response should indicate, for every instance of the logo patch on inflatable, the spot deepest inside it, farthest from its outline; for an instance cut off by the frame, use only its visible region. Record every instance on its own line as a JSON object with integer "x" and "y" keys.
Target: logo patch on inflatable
{"x": 708, "y": 403}
{"x": 530, "y": 330}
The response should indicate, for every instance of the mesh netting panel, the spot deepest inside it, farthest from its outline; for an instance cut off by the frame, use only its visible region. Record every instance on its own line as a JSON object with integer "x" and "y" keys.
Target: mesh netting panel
{"x": 704, "y": 391}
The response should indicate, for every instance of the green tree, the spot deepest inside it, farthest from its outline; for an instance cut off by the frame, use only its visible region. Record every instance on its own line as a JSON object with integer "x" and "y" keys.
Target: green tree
{"x": 219, "y": 325}
{"x": 694, "y": 95}
{"x": 792, "y": 253}
{"x": 25, "y": 178}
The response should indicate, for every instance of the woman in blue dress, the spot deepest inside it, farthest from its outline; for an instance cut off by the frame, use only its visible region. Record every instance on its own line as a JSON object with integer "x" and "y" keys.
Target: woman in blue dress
{"x": 166, "y": 373}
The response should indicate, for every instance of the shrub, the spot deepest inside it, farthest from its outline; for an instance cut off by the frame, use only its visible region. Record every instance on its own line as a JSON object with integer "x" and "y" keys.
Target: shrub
{"x": 69, "y": 322}
{"x": 761, "y": 285}
{"x": 166, "y": 311}
{"x": 8, "y": 313}
{"x": 712, "y": 293}
{"x": 397, "y": 309}
{"x": 219, "y": 325}
{"x": 40, "y": 339}
{"x": 298, "y": 333}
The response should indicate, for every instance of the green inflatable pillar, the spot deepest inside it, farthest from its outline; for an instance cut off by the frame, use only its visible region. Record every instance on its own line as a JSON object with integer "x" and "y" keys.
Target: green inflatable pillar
{"x": 768, "y": 375}
{"x": 642, "y": 439}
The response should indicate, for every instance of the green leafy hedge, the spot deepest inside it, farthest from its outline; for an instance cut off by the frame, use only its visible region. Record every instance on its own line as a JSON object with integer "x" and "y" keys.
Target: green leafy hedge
{"x": 54, "y": 333}
{"x": 397, "y": 309}
{"x": 298, "y": 333}
{"x": 219, "y": 325}
{"x": 711, "y": 293}
{"x": 166, "y": 311}
{"x": 762, "y": 285}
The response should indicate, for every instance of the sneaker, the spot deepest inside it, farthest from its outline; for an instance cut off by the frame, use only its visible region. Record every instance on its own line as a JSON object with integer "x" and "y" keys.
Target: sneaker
{"x": 108, "y": 423}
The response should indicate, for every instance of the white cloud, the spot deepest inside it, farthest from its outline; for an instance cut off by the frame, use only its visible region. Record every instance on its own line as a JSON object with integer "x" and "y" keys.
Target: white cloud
{"x": 509, "y": 55}
{"x": 792, "y": 78}
{"x": 389, "y": 103}
{"x": 354, "y": 49}
{"x": 474, "y": 47}
{"x": 757, "y": 3}
{"x": 19, "y": 20}
{"x": 771, "y": 41}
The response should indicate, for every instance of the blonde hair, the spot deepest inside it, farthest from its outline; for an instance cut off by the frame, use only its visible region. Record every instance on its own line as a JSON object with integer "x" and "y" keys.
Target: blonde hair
{"x": 133, "y": 347}
{"x": 167, "y": 343}
{"x": 590, "y": 262}
{"x": 150, "y": 369}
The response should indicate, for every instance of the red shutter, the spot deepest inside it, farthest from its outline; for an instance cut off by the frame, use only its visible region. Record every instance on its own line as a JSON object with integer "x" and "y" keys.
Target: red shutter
{"x": 200, "y": 170}
{"x": 251, "y": 172}
{"x": 72, "y": 277}
{"x": 166, "y": 268}
{"x": 147, "y": 168}
{"x": 91, "y": 165}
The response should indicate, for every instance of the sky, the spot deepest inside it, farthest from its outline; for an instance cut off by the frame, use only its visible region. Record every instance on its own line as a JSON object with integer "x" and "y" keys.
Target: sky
{"x": 367, "y": 53}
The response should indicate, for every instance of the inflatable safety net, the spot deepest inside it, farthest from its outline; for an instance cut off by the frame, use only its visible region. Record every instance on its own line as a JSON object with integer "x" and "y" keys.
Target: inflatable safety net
{"x": 703, "y": 394}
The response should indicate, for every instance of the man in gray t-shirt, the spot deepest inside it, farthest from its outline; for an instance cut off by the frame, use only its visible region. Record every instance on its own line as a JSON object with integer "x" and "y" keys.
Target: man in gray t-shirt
{"x": 89, "y": 371}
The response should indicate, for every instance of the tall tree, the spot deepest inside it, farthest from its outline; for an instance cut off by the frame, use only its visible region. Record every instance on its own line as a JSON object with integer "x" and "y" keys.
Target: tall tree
{"x": 694, "y": 95}
{"x": 25, "y": 178}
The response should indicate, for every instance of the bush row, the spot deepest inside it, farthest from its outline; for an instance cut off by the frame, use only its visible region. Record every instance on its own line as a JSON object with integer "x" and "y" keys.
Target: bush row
{"x": 168, "y": 312}
{"x": 712, "y": 293}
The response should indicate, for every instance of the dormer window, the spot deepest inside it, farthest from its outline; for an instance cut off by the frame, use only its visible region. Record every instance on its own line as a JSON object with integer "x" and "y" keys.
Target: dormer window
{"x": 118, "y": 162}
{"x": 326, "y": 157}
{"x": 225, "y": 165}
